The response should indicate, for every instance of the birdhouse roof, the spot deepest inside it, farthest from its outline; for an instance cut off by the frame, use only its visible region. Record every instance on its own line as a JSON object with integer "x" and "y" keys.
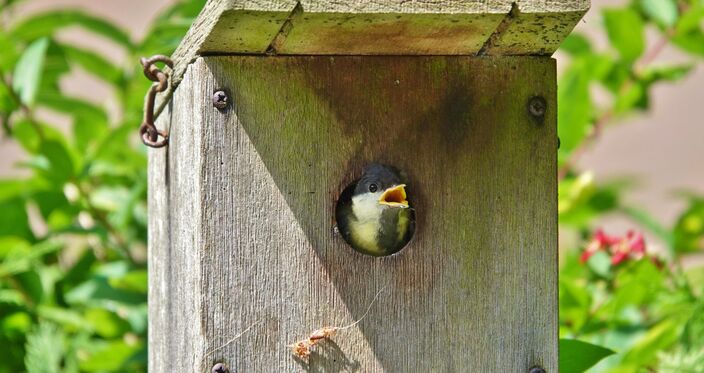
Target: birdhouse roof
{"x": 378, "y": 27}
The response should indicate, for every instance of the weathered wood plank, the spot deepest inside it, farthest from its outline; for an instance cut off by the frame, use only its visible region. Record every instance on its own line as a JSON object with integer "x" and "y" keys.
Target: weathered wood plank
{"x": 175, "y": 229}
{"x": 388, "y": 33}
{"x": 534, "y": 29}
{"x": 379, "y": 27}
{"x": 251, "y": 208}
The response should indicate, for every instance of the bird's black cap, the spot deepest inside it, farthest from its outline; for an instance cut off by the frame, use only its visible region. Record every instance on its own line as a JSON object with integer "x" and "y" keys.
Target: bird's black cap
{"x": 382, "y": 176}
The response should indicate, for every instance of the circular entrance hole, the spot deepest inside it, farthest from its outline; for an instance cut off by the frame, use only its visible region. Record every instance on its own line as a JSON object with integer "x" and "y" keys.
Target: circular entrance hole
{"x": 374, "y": 214}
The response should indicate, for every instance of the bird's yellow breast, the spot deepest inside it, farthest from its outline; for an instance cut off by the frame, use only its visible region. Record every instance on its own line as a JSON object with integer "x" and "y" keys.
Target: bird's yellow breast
{"x": 364, "y": 235}
{"x": 364, "y": 227}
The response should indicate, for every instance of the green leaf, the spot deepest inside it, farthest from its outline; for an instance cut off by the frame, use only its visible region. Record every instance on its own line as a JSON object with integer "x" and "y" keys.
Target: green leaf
{"x": 72, "y": 106}
{"x": 580, "y": 201}
{"x": 639, "y": 285}
{"x": 575, "y": 301}
{"x": 693, "y": 336}
{"x": 26, "y": 135}
{"x": 574, "y": 114}
{"x": 577, "y": 356}
{"x": 625, "y": 30}
{"x": 55, "y": 68}
{"x": 600, "y": 263}
{"x": 132, "y": 281}
{"x": 68, "y": 319}
{"x": 672, "y": 73}
{"x": 109, "y": 357}
{"x": 691, "y": 18}
{"x": 163, "y": 38}
{"x": 15, "y": 188}
{"x": 45, "y": 348}
{"x": 28, "y": 72}
{"x": 681, "y": 361}
{"x": 688, "y": 232}
{"x": 689, "y": 35}
{"x": 663, "y": 12}
{"x": 110, "y": 198}
{"x": 10, "y": 297}
{"x": 80, "y": 271}
{"x": 10, "y": 52}
{"x": 659, "y": 337}
{"x": 60, "y": 167}
{"x": 18, "y": 322}
{"x": 90, "y": 121}
{"x": 46, "y": 24}
{"x": 632, "y": 97}
{"x": 55, "y": 208}
{"x": 21, "y": 256}
{"x": 7, "y": 102}
{"x": 98, "y": 290}
{"x": 31, "y": 284}
{"x": 137, "y": 317}
{"x": 105, "y": 323}
{"x": 692, "y": 42}
{"x": 93, "y": 63}
{"x": 576, "y": 44}
{"x": 14, "y": 220}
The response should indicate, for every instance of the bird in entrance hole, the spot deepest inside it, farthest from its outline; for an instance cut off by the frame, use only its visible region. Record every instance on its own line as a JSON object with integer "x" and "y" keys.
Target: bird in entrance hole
{"x": 373, "y": 214}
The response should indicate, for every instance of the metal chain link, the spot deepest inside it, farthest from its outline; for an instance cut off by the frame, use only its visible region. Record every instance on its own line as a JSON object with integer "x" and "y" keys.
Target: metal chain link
{"x": 148, "y": 131}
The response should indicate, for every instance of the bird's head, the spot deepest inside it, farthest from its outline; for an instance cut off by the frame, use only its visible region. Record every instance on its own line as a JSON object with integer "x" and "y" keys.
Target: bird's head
{"x": 382, "y": 185}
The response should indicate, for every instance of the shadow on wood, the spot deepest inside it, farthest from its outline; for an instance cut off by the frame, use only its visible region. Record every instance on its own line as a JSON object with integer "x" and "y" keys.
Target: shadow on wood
{"x": 473, "y": 291}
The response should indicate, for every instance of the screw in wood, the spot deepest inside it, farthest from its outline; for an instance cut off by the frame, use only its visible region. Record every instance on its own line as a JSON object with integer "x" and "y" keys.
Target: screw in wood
{"x": 220, "y": 100}
{"x": 220, "y": 368}
{"x": 537, "y": 106}
{"x": 536, "y": 370}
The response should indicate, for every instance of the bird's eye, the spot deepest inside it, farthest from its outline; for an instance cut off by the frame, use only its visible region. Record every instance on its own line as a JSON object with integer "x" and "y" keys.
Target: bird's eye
{"x": 373, "y": 188}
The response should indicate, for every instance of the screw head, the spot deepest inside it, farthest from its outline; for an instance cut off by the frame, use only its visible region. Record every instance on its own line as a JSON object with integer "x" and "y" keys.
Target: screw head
{"x": 537, "y": 106}
{"x": 220, "y": 100}
{"x": 536, "y": 370}
{"x": 220, "y": 368}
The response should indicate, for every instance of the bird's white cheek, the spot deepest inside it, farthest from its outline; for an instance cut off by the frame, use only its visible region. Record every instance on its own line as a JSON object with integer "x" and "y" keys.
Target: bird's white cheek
{"x": 367, "y": 206}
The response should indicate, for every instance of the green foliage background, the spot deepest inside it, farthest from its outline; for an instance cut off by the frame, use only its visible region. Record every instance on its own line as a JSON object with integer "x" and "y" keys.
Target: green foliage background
{"x": 73, "y": 279}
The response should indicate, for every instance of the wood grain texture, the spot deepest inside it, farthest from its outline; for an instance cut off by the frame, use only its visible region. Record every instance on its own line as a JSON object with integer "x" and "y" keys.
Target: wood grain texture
{"x": 530, "y": 28}
{"x": 255, "y": 24}
{"x": 175, "y": 243}
{"x": 378, "y": 27}
{"x": 250, "y": 216}
{"x": 428, "y": 27}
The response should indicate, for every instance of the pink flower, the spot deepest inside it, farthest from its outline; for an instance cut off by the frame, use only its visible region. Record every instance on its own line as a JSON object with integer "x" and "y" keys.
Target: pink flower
{"x": 631, "y": 246}
{"x": 600, "y": 241}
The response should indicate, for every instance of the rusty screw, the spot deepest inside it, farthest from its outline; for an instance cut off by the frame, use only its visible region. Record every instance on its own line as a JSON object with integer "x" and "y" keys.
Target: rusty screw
{"x": 220, "y": 100}
{"x": 536, "y": 370}
{"x": 220, "y": 368}
{"x": 537, "y": 106}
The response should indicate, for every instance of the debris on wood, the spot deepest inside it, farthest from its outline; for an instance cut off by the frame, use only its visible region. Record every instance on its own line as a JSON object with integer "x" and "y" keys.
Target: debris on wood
{"x": 302, "y": 348}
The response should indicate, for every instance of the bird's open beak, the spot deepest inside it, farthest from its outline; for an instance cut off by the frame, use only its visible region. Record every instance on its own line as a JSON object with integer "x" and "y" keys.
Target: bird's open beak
{"x": 395, "y": 196}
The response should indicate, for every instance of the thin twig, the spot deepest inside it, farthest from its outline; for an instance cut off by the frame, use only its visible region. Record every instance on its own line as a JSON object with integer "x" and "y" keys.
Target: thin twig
{"x": 365, "y": 312}
{"x": 232, "y": 340}
{"x": 302, "y": 348}
{"x": 26, "y": 110}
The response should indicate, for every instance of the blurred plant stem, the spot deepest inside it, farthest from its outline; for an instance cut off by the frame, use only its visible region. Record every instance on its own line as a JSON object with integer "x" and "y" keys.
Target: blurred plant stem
{"x": 607, "y": 116}
{"x": 121, "y": 243}
{"x": 6, "y": 81}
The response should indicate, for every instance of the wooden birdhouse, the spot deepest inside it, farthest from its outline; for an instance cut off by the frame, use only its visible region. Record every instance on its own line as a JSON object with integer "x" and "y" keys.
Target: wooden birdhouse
{"x": 276, "y": 107}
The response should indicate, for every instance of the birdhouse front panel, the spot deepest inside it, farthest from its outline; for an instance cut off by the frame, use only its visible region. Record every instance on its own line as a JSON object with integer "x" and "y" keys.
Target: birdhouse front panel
{"x": 472, "y": 143}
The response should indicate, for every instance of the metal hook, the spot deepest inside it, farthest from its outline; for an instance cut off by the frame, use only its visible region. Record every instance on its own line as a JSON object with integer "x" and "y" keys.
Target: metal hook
{"x": 148, "y": 131}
